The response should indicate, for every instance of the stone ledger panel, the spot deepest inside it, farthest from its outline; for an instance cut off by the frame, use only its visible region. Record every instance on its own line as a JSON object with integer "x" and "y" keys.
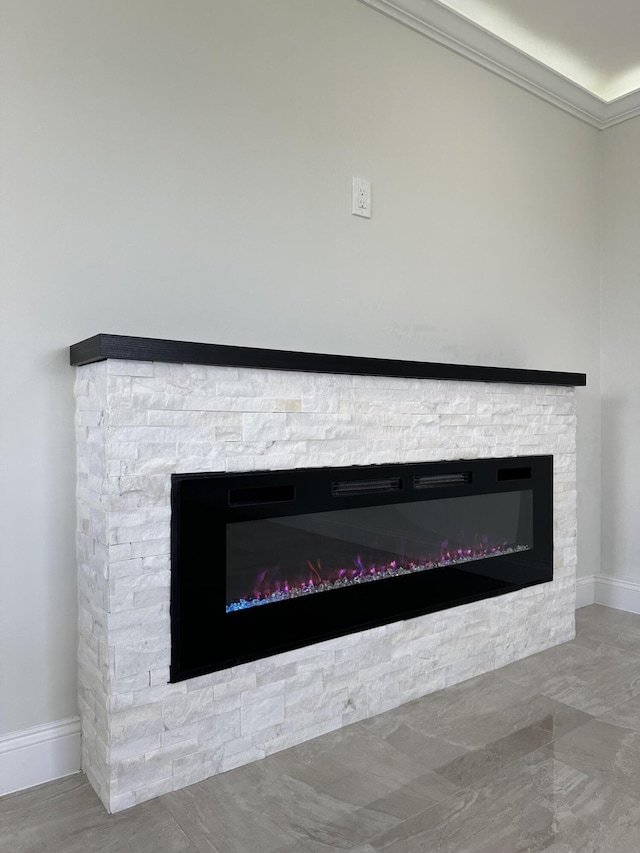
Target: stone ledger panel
{"x": 139, "y": 422}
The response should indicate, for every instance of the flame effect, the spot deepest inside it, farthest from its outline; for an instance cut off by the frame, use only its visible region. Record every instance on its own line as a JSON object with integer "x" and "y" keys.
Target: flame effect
{"x": 271, "y": 586}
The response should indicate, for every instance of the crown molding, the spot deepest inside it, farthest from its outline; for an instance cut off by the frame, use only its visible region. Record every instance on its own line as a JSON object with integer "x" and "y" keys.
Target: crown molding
{"x": 450, "y": 29}
{"x": 620, "y": 109}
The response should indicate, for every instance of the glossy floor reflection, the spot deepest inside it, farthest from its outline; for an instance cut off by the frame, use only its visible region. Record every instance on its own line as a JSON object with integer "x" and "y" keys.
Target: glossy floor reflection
{"x": 543, "y": 755}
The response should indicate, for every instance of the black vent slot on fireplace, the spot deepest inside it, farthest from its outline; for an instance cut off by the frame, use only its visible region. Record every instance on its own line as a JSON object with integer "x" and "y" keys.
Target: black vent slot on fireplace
{"x": 363, "y": 487}
{"x": 514, "y": 474}
{"x": 430, "y": 481}
{"x": 261, "y": 495}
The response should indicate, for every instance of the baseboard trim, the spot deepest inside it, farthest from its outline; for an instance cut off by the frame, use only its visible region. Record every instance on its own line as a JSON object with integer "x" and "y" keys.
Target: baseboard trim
{"x": 40, "y": 754}
{"x": 620, "y": 594}
{"x": 585, "y": 591}
{"x": 610, "y": 592}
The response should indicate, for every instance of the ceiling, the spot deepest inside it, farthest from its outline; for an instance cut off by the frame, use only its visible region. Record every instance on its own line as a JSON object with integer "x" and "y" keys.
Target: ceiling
{"x": 581, "y": 55}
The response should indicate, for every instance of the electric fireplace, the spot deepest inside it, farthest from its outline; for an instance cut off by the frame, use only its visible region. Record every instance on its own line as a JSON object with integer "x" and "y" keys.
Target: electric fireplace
{"x": 265, "y": 562}
{"x": 149, "y": 409}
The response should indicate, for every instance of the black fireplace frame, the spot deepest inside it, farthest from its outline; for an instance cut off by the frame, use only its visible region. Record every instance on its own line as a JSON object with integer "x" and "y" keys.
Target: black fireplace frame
{"x": 204, "y": 638}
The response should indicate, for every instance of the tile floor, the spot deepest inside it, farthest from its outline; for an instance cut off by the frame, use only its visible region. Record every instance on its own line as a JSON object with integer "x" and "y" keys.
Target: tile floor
{"x": 542, "y": 755}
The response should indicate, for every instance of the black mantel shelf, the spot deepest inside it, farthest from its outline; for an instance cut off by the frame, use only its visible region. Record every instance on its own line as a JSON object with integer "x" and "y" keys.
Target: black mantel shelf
{"x": 101, "y": 347}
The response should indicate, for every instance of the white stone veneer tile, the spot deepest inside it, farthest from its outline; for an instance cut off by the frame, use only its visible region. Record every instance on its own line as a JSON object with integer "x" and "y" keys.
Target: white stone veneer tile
{"x": 140, "y": 422}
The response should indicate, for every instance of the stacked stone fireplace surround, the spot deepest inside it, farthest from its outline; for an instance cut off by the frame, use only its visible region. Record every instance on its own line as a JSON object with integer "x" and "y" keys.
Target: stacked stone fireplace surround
{"x": 140, "y": 421}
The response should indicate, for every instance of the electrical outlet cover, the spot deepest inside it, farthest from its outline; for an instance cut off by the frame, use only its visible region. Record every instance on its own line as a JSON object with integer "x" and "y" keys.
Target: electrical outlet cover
{"x": 361, "y": 197}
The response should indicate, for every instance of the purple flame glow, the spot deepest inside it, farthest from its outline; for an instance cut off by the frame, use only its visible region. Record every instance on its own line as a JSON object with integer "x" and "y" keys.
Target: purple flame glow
{"x": 270, "y": 586}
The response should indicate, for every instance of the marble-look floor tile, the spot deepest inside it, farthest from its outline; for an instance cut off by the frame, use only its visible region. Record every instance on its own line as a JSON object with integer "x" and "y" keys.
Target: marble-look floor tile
{"x": 597, "y": 634}
{"x": 67, "y": 817}
{"x": 430, "y": 750}
{"x": 146, "y": 829}
{"x": 590, "y": 681}
{"x": 46, "y": 813}
{"x": 535, "y": 716}
{"x": 526, "y": 728}
{"x": 535, "y": 804}
{"x": 610, "y": 752}
{"x": 259, "y": 808}
{"x": 355, "y": 766}
{"x": 310, "y": 846}
{"x": 228, "y": 814}
{"x": 626, "y": 714}
{"x": 454, "y": 714}
{"x": 468, "y": 740}
{"x": 599, "y": 613}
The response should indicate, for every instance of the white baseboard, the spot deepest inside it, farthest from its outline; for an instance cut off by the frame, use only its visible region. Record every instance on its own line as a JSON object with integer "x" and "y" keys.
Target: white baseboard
{"x": 585, "y": 591}
{"x": 33, "y": 756}
{"x": 610, "y": 592}
{"x": 621, "y": 594}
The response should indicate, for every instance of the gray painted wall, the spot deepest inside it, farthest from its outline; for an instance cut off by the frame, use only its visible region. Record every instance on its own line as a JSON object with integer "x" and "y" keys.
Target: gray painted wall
{"x": 183, "y": 170}
{"x": 620, "y": 351}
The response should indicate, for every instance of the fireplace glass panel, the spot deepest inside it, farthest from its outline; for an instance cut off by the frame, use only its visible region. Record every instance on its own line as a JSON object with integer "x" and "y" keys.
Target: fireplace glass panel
{"x": 276, "y": 559}
{"x": 268, "y": 561}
